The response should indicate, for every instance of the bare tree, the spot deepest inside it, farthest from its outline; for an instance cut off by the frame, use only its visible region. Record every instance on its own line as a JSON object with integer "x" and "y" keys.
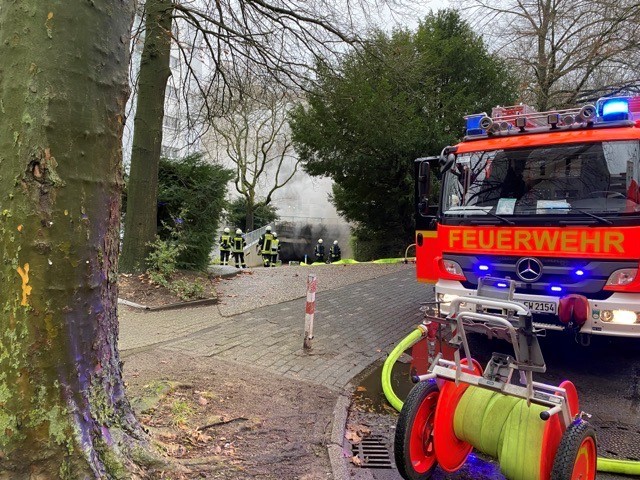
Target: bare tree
{"x": 563, "y": 48}
{"x": 282, "y": 38}
{"x": 253, "y": 135}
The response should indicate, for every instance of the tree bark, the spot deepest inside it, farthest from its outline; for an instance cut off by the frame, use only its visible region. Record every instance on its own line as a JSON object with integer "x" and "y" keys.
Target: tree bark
{"x": 250, "y": 215}
{"x": 142, "y": 191}
{"x": 63, "y": 88}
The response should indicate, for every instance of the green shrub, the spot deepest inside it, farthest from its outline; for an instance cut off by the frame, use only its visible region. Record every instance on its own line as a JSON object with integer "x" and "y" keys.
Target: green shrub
{"x": 191, "y": 198}
{"x": 162, "y": 260}
{"x": 162, "y": 263}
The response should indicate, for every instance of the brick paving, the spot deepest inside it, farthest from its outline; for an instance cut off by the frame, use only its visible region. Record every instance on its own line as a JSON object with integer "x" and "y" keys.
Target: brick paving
{"x": 355, "y": 325}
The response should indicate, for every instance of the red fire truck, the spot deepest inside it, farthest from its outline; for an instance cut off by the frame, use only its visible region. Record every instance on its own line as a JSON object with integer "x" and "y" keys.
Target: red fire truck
{"x": 548, "y": 199}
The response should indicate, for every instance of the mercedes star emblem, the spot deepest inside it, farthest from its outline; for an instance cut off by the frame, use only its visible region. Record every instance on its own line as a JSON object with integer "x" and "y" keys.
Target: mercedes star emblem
{"x": 529, "y": 269}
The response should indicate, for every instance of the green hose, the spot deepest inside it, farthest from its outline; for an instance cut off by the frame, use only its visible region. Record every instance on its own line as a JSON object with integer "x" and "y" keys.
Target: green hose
{"x": 407, "y": 342}
{"x": 503, "y": 427}
{"x": 624, "y": 467}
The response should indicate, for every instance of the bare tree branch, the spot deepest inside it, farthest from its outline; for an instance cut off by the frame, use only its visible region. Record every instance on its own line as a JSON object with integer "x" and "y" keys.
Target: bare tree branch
{"x": 253, "y": 135}
{"x": 562, "y": 48}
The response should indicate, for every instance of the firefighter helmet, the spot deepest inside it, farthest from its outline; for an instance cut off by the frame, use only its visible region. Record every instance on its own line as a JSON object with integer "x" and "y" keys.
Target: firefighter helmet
{"x": 319, "y": 240}
{"x": 268, "y": 228}
{"x": 335, "y": 242}
{"x": 226, "y": 230}
{"x": 238, "y": 231}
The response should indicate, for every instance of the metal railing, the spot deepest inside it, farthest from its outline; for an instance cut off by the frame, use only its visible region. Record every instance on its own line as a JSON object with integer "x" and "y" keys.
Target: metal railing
{"x": 253, "y": 236}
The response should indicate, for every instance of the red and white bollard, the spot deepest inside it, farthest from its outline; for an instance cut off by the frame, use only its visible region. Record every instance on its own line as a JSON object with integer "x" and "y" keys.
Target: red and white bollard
{"x": 312, "y": 285}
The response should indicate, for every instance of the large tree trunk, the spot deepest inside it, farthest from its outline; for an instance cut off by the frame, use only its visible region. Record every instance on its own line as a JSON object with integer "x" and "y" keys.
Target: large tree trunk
{"x": 250, "y": 215}
{"x": 63, "y": 88}
{"x": 142, "y": 191}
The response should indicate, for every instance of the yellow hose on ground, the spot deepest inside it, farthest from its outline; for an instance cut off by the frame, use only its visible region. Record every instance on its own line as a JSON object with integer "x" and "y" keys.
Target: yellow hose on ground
{"x": 625, "y": 467}
{"x": 406, "y": 343}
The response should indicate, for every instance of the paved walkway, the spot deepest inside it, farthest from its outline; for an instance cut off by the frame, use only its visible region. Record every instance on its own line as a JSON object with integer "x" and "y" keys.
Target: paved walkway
{"x": 355, "y": 325}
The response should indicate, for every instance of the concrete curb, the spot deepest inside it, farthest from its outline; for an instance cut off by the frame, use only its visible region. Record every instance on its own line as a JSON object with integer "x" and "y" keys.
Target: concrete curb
{"x": 335, "y": 448}
{"x": 224, "y": 271}
{"x": 171, "y": 306}
{"x": 122, "y": 301}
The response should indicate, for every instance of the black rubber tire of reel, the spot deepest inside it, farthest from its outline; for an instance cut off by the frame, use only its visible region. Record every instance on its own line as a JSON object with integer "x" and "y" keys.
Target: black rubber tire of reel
{"x": 404, "y": 427}
{"x": 567, "y": 453}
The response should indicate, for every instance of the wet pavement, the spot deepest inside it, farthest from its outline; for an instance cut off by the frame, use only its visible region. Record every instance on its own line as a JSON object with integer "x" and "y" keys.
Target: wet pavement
{"x": 606, "y": 374}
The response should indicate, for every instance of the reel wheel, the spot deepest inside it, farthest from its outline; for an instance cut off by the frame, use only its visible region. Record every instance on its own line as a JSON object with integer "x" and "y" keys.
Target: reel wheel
{"x": 450, "y": 450}
{"x": 576, "y": 458}
{"x": 413, "y": 446}
{"x": 553, "y": 432}
{"x": 572, "y": 396}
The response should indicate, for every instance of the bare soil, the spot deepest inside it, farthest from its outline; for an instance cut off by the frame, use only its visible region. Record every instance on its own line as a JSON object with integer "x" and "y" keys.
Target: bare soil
{"x": 141, "y": 290}
{"x": 215, "y": 419}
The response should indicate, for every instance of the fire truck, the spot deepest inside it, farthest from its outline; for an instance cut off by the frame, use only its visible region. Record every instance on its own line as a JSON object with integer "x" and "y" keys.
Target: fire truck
{"x": 550, "y": 200}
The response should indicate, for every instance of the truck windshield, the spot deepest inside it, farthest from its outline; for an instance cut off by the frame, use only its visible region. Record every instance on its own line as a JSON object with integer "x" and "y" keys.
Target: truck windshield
{"x": 588, "y": 179}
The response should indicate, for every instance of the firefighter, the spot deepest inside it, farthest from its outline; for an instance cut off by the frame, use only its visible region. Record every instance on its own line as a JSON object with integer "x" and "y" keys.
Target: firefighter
{"x": 319, "y": 251}
{"x": 264, "y": 246}
{"x": 275, "y": 249}
{"x": 225, "y": 246}
{"x": 237, "y": 248}
{"x": 335, "y": 254}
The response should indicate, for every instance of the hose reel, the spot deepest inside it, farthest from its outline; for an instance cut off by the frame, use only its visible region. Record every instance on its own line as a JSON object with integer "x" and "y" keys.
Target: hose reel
{"x": 535, "y": 430}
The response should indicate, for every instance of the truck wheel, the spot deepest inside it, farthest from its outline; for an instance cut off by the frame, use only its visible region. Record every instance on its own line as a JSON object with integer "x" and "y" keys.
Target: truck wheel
{"x": 413, "y": 447}
{"x": 577, "y": 453}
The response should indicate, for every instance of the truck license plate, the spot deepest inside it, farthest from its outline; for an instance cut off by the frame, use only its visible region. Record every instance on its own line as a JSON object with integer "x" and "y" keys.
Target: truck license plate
{"x": 540, "y": 307}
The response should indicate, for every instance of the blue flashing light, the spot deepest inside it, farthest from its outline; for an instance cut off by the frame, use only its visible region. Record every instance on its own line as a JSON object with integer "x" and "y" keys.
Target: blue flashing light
{"x": 579, "y": 273}
{"x": 501, "y": 285}
{"x": 473, "y": 124}
{"x": 483, "y": 268}
{"x": 555, "y": 288}
{"x": 613, "y": 109}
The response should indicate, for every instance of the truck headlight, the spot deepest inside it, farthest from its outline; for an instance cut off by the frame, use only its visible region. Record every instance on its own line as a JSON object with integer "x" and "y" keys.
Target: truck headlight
{"x": 621, "y": 317}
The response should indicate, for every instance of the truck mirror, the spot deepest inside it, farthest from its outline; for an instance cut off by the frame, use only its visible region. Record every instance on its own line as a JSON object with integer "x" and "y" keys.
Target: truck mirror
{"x": 447, "y": 161}
{"x": 424, "y": 184}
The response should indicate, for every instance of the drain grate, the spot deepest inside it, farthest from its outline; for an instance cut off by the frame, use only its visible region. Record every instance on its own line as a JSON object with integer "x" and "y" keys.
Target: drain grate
{"x": 372, "y": 452}
{"x": 618, "y": 440}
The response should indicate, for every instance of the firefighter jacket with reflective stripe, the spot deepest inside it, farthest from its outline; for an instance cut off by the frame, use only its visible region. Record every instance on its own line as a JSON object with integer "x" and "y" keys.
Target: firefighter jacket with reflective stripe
{"x": 225, "y": 243}
{"x": 275, "y": 246}
{"x": 238, "y": 243}
{"x": 265, "y": 243}
{"x": 334, "y": 252}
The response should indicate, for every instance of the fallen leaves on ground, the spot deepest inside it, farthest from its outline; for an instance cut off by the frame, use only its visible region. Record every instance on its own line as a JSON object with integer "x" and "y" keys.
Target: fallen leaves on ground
{"x": 355, "y": 433}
